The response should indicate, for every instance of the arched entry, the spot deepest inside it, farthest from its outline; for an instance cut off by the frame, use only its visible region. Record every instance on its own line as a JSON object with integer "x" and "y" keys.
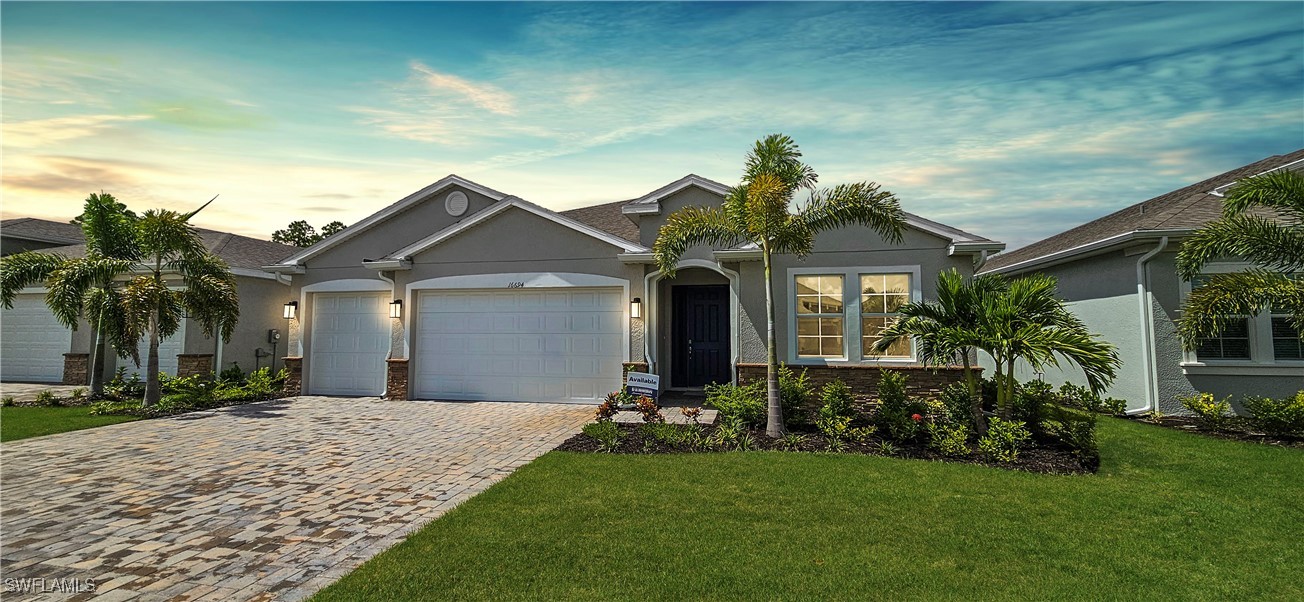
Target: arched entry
{"x": 692, "y": 325}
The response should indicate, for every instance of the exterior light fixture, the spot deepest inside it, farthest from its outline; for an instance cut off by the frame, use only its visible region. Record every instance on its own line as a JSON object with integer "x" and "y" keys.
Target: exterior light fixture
{"x": 396, "y": 308}
{"x": 636, "y": 308}
{"x": 291, "y": 310}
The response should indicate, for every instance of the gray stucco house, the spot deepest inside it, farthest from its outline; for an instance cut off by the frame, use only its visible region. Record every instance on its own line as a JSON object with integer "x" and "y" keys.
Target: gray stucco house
{"x": 459, "y": 291}
{"x": 1119, "y": 275}
{"x": 34, "y": 347}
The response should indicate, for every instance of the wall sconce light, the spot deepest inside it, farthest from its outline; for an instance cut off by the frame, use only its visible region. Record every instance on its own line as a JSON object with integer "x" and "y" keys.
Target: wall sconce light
{"x": 396, "y": 308}
{"x": 291, "y": 310}
{"x": 636, "y": 308}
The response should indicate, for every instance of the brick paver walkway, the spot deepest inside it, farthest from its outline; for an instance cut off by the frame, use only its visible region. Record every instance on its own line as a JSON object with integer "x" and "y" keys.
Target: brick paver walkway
{"x": 268, "y": 501}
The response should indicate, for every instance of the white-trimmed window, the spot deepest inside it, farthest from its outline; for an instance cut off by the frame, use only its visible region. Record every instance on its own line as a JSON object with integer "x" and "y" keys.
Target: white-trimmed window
{"x": 820, "y": 315}
{"x": 1268, "y": 339}
{"x": 838, "y": 313}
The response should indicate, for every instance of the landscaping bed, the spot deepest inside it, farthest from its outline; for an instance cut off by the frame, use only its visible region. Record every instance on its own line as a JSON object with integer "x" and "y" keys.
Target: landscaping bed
{"x": 1236, "y": 428}
{"x": 1045, "y": 456}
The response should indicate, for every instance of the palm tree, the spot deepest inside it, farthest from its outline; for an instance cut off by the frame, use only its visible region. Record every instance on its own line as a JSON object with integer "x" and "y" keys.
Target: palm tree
{"x": 83, "y": 286}
{"x": 756, "y": 211}
{"x": 947, "y": 329}
{"x": 170, "y": 247}
{"x": 1026, "y": 321}
{"x": 1275, "y": 246}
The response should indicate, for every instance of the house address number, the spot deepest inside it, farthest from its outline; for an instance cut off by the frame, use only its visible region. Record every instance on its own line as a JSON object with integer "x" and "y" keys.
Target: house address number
{"x": 515, "y": 285}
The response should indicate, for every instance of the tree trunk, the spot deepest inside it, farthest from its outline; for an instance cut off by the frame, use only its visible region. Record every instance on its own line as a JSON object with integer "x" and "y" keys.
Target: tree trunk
{"x": 774, "y": 416}
{"x": 975, "y": 396}
{"x": 153, "y": 391}
{"x": 96, "y": 365}
{"x": 1007, "y": 411}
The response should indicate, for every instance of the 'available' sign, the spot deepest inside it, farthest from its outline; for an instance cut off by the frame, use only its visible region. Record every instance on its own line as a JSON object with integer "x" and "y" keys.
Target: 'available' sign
{"x": 640, "y": 383}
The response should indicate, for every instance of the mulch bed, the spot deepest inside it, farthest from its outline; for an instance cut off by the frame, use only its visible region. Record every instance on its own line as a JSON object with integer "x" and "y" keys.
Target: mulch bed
{"x": 1040, "y": 456}
{"x": 1238, "y": 429}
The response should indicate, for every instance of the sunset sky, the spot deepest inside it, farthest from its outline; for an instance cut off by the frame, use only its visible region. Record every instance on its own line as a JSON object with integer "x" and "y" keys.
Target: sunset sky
{"x": 1014, "y": 121}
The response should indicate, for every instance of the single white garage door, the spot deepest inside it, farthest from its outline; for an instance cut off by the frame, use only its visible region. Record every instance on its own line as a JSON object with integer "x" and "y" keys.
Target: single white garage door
{"x": 350, "y": 340}
{"x": 541, "y": 344}
{"x": 32, "y": 342}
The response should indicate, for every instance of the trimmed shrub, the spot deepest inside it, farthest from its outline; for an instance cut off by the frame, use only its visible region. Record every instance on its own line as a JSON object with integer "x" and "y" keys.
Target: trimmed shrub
{"x": 607, "y": 434}
{"x": 795, "y": 392}
{"x": 1281, "y": 417}
{"x": 958, "y": 406}
{"x": 1030, "y": 402}
{"x": 951, "y": 439}
{"x": 899, "y": 416}
{"x": 1004, "y": 439}
{"x": 1211, "y": 413}
{"x": 745, "y": 403}
{"x": 1075, "y": 429}
{"x": 835, "y": 401}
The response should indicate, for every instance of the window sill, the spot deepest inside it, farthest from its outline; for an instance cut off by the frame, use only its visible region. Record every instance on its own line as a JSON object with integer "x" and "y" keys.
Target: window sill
{"x": 1243, "y": 369}
{"x": 815, "y": 361}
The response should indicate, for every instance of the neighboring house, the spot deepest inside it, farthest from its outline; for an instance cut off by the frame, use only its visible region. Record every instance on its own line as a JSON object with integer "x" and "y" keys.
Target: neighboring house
{"x": 1119, "y": 275}
{"x": 34, "y": 347}
{"x": 462, "y": 292}
{"x": 31, "y": 234}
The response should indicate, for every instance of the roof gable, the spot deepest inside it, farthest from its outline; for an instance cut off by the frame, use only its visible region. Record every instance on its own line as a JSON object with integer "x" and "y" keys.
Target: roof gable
{"x": 651, "y": 202}
{"x": 378, "y": 217}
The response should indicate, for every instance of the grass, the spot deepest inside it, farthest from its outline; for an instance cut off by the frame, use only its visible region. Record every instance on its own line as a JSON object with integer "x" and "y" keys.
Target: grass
{"x": 1169, "y": 516}
{"x": 21, "y": 422}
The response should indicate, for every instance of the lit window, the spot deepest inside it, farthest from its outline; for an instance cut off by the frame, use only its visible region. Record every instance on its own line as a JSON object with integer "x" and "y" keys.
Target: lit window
{"x": 881, "y": 296}
{"x": 819, "y": 316}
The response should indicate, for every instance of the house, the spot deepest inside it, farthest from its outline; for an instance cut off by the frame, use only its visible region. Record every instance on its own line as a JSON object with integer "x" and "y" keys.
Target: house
{"x": 32, "y": 234}
{"x": 1118, "y": 274}
{"x": 462, "y": 292}
{"x": 34, "y": 347}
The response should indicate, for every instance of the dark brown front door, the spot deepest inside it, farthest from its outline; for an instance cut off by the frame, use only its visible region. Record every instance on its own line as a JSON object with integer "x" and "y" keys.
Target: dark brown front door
{"x": 700, "y": 345}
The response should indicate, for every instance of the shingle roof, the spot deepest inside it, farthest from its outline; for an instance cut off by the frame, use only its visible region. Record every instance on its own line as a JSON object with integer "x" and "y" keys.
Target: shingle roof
{"x": 606, "y": 217}
{"x": 40, "y": 229}
{"x": 1187, "y": 208}
{"x": 238, "y": 251}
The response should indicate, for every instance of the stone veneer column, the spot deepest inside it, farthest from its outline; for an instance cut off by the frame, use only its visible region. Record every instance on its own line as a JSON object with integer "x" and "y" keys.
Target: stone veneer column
{"x": 76, "y": 368}
{"x": 294, "y": 382}
{"x": 192, "y": 364}
{"x": 396, "y": 378}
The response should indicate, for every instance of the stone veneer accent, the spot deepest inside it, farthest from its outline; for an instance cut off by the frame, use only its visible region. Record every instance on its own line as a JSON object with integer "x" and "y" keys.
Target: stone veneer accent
{"x": 863, "y": 380}
{"x": 76, "y": 368}
{"x": 194, "y": 364}
{"x": 294, "y": 382}
{"x": 396, "y": 378}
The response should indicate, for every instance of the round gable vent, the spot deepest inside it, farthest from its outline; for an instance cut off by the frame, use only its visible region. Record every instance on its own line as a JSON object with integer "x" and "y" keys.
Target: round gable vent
{"x": 456, "y": 203}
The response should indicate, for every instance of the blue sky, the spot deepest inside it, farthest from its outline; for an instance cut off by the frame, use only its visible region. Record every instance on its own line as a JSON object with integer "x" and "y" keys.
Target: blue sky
{"x": 1012, "y": 120}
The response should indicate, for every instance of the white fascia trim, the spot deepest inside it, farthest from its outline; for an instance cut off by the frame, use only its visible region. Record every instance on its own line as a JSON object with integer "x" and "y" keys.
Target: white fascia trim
{"x": 285, "y": 269}
{"x": 738, "y": 255}
{"x": 1222, "y": 189}
{"x": 1242, "y": 369}
{"x": 954, "y": 235}
{"x": 653, "y": 209}
{"x": 1097, "y": 247}
{"x": 651, "y": 202}
{"x": 381, "y": 215}
{"x": 442, "y": 235}
{"x": 248, "y": 273}
{"x": 637, "y": 258}
{"x": 973, "y": 248}
{"x": 388, "y": 264}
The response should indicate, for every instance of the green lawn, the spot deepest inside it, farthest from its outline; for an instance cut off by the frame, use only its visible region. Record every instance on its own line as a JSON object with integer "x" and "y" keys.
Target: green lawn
{"x": 18, "y": 422}
{"x": 1170, "y": 516}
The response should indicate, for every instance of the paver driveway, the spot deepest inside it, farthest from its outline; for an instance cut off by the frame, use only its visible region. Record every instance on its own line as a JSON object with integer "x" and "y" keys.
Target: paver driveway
{"x": 259, "y": 502}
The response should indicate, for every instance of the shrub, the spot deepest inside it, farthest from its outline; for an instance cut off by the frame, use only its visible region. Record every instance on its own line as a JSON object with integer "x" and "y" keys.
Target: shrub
{"x": 795, "y": 392}
{"x": 233, "y": 374}
{"x": 1004, "y": 439}
{"x": 115, "y": 408}
{"x": 7, "y": 401}
{"x": 1030, "y": 402}
{"x": 78, "y": 394}
{"x": 901, "y": 417}
{"x": 607, "y": 434}
{"x": 951, "y": 439}
{"x": 691, "y": 412}
{"x": 1282, "y": 417}
{"x": 1075, "y": 429}
{"x": 672, "y": 435}
{"x": 834, "y": 427}
{"x": 887, "y": 449}
{"x": 47, "y": 398}
{"x": 191, "y": 391}
{"x": 1211, "y": 413}
{"x": 1113, "y": 407}
{"x": 732, "y": 434}
{"x": 745, "y": 403}
{"x": 793, "y": 441}
{"x": 650, "y": 410}
{"x": 835, "y": 401}
{"x": 608, "y": 408}
{"x": 958, "y": 406}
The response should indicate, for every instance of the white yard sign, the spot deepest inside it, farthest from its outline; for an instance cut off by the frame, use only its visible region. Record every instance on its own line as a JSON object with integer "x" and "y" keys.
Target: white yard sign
{"x": 640, "y": 383}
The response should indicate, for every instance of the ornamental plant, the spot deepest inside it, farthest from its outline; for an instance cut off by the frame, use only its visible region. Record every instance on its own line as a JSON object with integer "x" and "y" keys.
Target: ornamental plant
{"x": 1004, "y": 439}
{"x": 1211, "y": 413}
{"x": 1281, "y": 417}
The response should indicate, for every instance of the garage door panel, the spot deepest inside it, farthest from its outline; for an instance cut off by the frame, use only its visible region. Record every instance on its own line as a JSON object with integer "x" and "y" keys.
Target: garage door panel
{"x": 523, "y": 345}
{"x": 350, "y": 341}
{"x": 32, "y": 342}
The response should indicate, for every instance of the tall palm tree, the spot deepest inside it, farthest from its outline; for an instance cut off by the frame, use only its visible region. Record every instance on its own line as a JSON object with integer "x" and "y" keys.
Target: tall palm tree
{"x": 1276, "y": 246}
{"x": 83, "y": 286}
{"x": 756, "y": 211}
{"x": 1026, "y": 321}
{"x": 153, "y": 307}
{"x": 946, "y": 330}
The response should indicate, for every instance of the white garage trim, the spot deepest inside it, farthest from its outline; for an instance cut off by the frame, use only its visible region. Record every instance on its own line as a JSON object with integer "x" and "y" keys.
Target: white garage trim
{"x": 353, "y": 345}
{"x": 650, "y": 314}
{"x": 343, "y": 285}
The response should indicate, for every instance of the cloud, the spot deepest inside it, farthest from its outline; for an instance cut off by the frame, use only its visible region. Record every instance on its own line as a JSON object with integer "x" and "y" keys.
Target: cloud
{"x": 441, "y": 85}
{"x": 44, "y": 132}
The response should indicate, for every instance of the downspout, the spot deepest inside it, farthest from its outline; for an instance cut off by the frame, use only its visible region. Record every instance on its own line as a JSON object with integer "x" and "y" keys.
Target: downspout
{"x": 650, "y": 291}
{"x": 1148, "y": 361}
{"x": 980, "y": 261}
{"x": 385, "y": 394}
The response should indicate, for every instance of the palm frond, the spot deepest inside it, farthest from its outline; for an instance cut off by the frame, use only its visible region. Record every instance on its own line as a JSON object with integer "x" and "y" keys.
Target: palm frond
{"x": 777, "y": 155}
{"x": 68, "y": 286}
{"x": 689, "y": 227}
{"x": 165, "y": 235}
{"x": 108, "y": 227}
{"x": 862, "y": 203}
{"x": 1225, "y": 297}
{"x": 21, "y": 270}
{"x": 1254, "y": 238}
{"x": 1281, "y": 190}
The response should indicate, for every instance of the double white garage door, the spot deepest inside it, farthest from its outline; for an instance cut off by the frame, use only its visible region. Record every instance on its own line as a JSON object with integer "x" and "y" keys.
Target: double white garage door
{"x": 537, "y": 344}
